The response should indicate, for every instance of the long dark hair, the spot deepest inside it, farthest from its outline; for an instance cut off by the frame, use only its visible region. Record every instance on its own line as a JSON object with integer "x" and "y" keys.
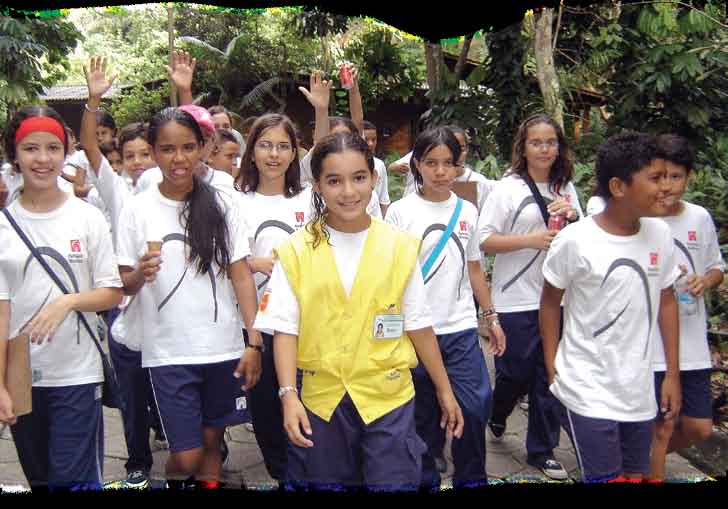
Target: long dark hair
{"x": 202, "y": 215}
{"x": 563, "y": 168}
{"x": 14, "y": 124}
{"x": 427, "y": 141}
{"x": 249, "y": 178}
{"x": 331, "y": 144}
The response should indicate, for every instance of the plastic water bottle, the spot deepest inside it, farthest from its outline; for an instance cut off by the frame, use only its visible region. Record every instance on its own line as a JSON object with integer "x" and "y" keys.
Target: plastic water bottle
{"x": 687, "y": 303}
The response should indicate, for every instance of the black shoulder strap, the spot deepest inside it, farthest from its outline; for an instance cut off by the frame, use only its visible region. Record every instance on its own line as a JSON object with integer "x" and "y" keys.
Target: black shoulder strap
{"x": 50, "y": 272}
{"x": 537, "y": 196}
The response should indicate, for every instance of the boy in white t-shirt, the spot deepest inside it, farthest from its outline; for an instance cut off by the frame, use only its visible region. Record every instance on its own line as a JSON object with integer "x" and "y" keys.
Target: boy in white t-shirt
{"x": 698, "y": 255}
{"x": 615, "y": 272}
{"x": 369, "y": 131}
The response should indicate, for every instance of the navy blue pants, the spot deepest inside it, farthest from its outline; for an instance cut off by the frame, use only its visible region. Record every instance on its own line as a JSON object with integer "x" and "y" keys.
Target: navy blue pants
{"x": 60, "y": 443}
{"x": 385, "y": 454}
{"x": 521, "y": 371}
{"x": 267, "y": 416}
{"x": 468, "y": 374}
{"x": 139, "y": 412}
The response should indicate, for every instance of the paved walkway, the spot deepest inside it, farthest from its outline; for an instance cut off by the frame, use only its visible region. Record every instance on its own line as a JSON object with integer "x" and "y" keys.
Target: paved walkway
{"x": 505, "y": 460}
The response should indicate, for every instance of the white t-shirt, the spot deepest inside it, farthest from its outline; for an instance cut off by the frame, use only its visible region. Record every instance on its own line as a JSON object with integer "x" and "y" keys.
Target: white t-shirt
{"x": 373, "y": 208}
{"x": 448, "y": 282}
{"x": 218, "y": 179}
{"x": 595, "y": 205}
{"x": 697, "y": 249}
{"x": 270, "y": 220}
{"x": 305, "y": 166}
{"x": 382, "y": 186}
{"x": 511, "y": 209}
{"x": 188, "y": 318}
{"x": 611, "y": 303}
{"x": 409, "y": 183}
{"x": 283, "y": 315}
{"x": 74, "y": 239}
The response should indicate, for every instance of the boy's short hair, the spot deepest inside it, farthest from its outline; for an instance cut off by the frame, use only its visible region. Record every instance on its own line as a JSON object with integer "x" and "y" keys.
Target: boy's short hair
{"x": 368, "y": 126}
{"x": 218, "y": 108}
{"x": 677, "y": 150}
{"x": 108, "y": 148}
{"x": 223, "y": 136}
{"x": 104, "y": 119}
{"x": 621, "y": 156}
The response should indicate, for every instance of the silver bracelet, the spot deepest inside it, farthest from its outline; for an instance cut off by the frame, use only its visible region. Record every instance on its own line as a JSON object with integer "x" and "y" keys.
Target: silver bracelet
{"x": 285, "y": 390}
{"x": 90, "y": 110}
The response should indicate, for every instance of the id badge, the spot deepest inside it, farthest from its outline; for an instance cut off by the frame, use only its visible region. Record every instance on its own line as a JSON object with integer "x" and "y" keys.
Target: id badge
{"x": 388, "y": 326}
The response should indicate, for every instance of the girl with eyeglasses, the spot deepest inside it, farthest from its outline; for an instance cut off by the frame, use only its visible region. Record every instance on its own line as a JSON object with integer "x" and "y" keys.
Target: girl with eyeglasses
{"x": 275, "y": 206}
{"x": 453, "y": 276}
{"x": 513, "y": 227}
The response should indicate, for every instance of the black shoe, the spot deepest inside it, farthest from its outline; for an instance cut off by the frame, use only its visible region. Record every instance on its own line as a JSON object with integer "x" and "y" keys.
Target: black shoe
{"x": 551, "y": 469}
{"x": 496, "y": 432}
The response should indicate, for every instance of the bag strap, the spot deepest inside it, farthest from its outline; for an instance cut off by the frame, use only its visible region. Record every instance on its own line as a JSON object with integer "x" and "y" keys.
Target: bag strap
{"x": 50, "y": 272}
{"x": 443, "y": 240}
{"x": 538, "y": 197}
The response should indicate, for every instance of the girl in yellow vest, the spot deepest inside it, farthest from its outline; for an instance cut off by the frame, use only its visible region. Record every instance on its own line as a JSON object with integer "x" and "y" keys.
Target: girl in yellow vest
{"x": 333, "y": 284}
{"x": 450, "y": 257}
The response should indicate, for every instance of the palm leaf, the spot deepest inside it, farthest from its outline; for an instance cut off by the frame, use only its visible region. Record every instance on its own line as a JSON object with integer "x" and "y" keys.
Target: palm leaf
{"x": 232, "y": 45}
{"x": 259, "y": 92}
{"x": 209, "y": 49}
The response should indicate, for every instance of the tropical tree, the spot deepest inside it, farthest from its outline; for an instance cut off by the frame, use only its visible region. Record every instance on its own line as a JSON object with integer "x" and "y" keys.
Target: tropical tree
{"x": 33, "y": 55}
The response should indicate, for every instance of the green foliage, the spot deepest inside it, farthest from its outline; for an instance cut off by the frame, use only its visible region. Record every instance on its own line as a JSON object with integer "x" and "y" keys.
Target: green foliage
{"x": 33, "y": 55}
{"x": 671, "y": 74}
{"x": 387, "y": 71}
{"x": 134, "y": 40}
{"x": 139, "y": 104}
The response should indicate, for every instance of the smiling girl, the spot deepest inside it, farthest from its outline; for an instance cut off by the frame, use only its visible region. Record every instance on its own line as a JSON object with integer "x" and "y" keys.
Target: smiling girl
{"x": 334, "y": 281}
{"x": 60, "y": 444}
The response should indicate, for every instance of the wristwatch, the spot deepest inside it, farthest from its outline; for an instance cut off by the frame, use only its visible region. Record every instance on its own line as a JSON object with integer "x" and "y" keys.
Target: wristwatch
{"x": 286, "y": 389}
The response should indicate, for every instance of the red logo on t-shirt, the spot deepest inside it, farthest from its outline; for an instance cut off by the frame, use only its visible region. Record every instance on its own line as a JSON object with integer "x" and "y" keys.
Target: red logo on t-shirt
{"x": 75, "y": 246}
{"x": 692, "y": 236}
{"x": 299, "y": 217}
{"x": 653, "y": 258}
{"x": 463, "y": 226}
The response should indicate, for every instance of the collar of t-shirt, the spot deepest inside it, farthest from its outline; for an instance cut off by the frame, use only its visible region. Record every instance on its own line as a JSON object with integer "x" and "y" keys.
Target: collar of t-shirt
{"x": 347, "y": 249}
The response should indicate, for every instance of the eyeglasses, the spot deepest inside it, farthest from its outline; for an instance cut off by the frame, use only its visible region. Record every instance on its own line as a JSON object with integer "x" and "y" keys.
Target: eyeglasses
{"x": 537, "y": 144}
{"x": 268, "y": 146}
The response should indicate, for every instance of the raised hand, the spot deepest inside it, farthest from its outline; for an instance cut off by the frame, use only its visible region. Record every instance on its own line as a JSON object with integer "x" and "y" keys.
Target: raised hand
{"x": 182, "y": 70}
{"x": 320, "y": 92}
{"x": 97, "y": 80}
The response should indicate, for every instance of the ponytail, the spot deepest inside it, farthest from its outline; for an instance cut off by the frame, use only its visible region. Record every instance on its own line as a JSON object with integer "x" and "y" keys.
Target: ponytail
{"x": 206, "y": 229}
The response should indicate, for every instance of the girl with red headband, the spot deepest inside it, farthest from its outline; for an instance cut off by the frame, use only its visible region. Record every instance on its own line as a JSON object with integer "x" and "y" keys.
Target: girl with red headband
{"x": 60, "y": 443}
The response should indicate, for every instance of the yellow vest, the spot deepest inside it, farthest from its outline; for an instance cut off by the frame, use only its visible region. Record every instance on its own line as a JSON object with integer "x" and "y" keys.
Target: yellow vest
{"x": 337, "y": 351}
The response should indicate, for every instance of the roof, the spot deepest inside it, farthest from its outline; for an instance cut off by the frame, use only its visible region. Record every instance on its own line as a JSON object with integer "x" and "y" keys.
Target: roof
{"x": 76, "y": 92}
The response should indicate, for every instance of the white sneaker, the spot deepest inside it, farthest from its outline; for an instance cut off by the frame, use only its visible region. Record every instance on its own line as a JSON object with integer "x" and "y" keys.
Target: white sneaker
{"x": 523, "y": 403}
{"x": 249, "y": 426}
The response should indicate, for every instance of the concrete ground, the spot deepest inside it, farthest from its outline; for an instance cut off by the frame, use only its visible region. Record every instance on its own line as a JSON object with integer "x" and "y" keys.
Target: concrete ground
{"x": 505, "y": 461}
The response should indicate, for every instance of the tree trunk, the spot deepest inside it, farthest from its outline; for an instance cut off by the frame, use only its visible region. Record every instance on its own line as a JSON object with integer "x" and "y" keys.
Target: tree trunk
{"x": 435, "y": 62}
{"x": 170, "y": 33}
{"x": 463, "y": 58}
{"x": 548, "y": 80}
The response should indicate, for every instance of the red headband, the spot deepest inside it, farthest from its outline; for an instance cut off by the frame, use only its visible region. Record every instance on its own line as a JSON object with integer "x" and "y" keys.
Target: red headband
{"x": 40, "y": 124}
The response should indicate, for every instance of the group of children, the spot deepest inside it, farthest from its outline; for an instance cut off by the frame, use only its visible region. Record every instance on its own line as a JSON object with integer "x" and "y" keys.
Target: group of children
{"x": 272, "y": 287}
